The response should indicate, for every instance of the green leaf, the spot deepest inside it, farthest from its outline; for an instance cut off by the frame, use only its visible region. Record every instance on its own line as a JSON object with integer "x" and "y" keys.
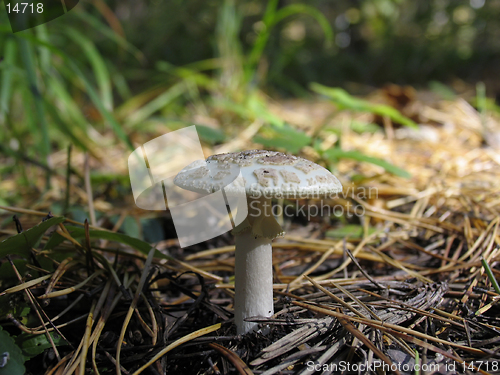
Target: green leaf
{"x": 32, "y": 345}
{"x": 129, "y": 226}
{"x": 152, "y": 230}
{"x": 284, "y": 137}
{"x": 15, "y": 361}
{"x": 22, "y": 243}
{"x": 349, "y": 230}
{"x": 334, "y": 154}
{"x": 346, "y": 101}
{"x": 210, "y": 135}
{"x": 77, "y": 233}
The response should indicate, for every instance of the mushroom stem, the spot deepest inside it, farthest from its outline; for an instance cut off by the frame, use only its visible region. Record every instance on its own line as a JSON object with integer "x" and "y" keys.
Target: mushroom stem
{"x": 254, "y": 265}
{"x": 253, "y": 280}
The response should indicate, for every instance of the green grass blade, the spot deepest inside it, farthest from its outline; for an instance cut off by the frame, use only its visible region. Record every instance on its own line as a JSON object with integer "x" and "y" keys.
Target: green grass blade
{"x": 94, "y": 97}
{"x": 259, "y": 108}
{"x": 108, "y": 32}
{"x": 417, "y": 363}
{"x": 29, "y": 64}
{"x": 98, "y": 66}
{"x": 22, "y": 243}
{"x": 481, "y": 97}
{"x": 349, "y": 231}
{"x": 86, "y": 84}
{"x": 78, "y": 233}
{"x": 20, "y": 156}
{"x": 490, "y": 274}
{"x": 481, "y": 101}
{"x": 271, "y": 17}
{"x": 262, "y": 38}
{"x": 7, "y": 75}
{"x": 308, "y": 10}
{"x": 346, "y": 101}
{"x": 334, "y": 154}
{"x": 78, "y": 138}
{"x": 253, "y": 108}
{"x": 45, "y": 61}
{"x": 210, "y": 135}
{"x": 121, "y": 85}
{"x": 229, "y": 47}
{"x": 68, "y": 108}
{"x": 285, "y": 137}
{"x": 188, "y": 74}
{"x": 154, "y": 105}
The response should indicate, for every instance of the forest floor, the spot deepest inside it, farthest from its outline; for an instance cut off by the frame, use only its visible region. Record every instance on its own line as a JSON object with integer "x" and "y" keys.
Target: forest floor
{"x": 401, "y": 274}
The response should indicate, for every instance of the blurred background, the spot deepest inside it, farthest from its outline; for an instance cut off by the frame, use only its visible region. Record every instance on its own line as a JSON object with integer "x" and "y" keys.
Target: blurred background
{"x": 370, "y": 42}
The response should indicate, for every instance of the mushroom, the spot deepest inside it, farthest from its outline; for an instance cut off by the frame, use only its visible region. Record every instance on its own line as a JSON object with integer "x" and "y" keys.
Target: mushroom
{"x": 261, "y": 176}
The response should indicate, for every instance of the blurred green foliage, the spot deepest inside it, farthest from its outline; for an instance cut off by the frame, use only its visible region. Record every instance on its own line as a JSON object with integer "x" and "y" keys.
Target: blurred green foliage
{"x": 375, "y": 41}
{"x": 133, "y": 66}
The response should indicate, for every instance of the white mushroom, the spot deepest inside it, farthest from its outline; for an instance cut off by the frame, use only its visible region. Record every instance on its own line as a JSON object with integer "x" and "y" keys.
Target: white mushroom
{"x": 260, "y": 176}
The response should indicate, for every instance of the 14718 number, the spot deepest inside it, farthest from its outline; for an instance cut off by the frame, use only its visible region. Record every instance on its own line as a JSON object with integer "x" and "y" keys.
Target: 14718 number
{"x": 17, "y": 8}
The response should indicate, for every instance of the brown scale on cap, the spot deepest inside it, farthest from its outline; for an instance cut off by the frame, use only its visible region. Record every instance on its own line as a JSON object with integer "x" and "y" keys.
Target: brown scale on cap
{"x": 264, "y": 174}
{"x": 325, "y": 179}
{"x": 306, "y": 166}
{"x": 290, "y": 177}
{"x": 280, "y": 159}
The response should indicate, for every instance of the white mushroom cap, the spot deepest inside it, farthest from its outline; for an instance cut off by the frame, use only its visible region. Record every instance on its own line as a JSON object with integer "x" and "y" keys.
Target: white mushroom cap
{"x": 259, "y": 173}
{"x": 260, "y": 176}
